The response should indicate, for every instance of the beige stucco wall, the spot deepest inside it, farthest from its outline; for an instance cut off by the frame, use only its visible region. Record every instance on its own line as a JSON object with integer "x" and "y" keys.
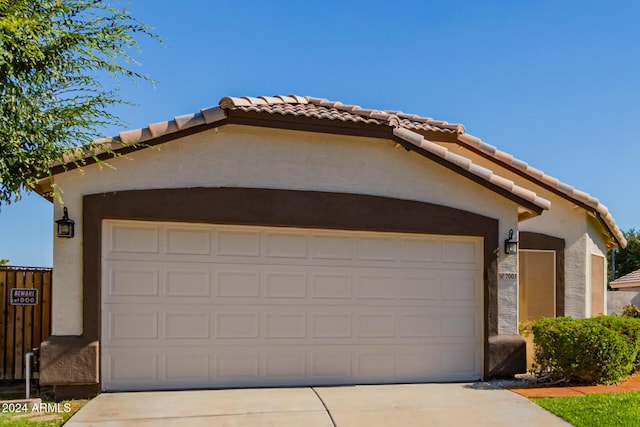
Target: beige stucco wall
{"x": 616, "y": 300}
{"x": 582, "y": 234}
{"x": 567, "y": 222}
{"x": 239, "y": 156}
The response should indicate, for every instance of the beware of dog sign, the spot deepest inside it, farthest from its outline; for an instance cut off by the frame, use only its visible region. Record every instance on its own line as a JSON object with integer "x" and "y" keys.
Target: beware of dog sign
{"x": 22, "y": 296}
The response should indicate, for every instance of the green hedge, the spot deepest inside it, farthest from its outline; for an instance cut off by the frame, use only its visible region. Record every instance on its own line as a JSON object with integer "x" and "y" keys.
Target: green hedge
{"x": 601, "y": 349}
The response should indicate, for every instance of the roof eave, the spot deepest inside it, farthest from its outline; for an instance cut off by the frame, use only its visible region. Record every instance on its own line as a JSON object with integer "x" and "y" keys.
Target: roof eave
{"x": 491, "y": 153}
{"x": 383, "y": 125}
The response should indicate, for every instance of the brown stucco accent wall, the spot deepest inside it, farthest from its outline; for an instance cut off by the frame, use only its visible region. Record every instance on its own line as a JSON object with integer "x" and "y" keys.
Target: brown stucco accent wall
{"x": 303, "y": 209}
{"x": 530, "y": 240}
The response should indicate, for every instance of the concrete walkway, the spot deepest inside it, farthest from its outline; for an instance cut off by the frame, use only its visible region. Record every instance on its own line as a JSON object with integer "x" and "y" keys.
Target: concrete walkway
{"x": 382, "y": 405}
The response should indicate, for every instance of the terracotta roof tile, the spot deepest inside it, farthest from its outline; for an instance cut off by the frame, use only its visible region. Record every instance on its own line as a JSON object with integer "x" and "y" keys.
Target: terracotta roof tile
{"x": 480, "y": 171}
{"x": 231, "y": 101}
{"x": 520, "y": 163}
{"x": 213, "y": 114}
{"x": 162, "y": 128}
{"x": 488, "y": 148}
{"x": 414, "y": 138}
{"x": 135, "y": 136}
{"x": 189, "y": 120}
{"x": 256, "y": 101}
{"x": 459, "y": 160}
{"x": 275, "y": 100}
{"x": 316, "y": 111}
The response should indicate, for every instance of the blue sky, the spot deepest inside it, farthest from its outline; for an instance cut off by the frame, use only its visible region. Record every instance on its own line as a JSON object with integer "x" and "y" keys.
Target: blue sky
{"x": 557, "y": 84}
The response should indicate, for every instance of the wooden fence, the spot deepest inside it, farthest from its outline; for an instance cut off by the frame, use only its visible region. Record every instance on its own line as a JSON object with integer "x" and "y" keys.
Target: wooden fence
{"x": 22, "y": 327}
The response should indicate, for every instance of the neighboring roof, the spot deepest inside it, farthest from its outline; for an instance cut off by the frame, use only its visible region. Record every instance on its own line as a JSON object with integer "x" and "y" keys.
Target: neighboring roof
{"x": 631, "y": 280}
{"x": 405, "y": 128}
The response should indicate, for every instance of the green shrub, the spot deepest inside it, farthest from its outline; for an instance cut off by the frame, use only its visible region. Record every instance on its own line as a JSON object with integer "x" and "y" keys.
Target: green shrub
{"x": 631, "y": 310}
{"x": 627, "y": 328}
{"x": 598, "y": 350}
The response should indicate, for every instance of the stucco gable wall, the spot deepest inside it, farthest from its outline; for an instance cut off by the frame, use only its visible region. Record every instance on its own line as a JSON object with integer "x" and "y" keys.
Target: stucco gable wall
{"x": 570, "y": 223}
{"x": 239, "y": 156}
{"x": 582, "y": 234}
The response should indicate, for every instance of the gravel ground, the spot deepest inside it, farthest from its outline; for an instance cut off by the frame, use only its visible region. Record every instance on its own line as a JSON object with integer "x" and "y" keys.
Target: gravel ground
{"x": 521, "y": 380}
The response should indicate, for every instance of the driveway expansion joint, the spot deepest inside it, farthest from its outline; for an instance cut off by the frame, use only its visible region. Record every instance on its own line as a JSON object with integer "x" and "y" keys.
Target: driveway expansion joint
{"x": 333, "y": 422}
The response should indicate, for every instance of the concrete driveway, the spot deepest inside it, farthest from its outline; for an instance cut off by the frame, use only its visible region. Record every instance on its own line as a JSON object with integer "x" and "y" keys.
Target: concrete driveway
{"x": 435, "y": 405}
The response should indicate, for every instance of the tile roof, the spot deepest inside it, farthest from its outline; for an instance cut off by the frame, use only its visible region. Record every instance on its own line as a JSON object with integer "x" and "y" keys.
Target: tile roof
{"x": 404, "y": 126}
{"x": 631, "y": 280}
{"x": 566, "y": 189}
{"x": 324, "y": 109}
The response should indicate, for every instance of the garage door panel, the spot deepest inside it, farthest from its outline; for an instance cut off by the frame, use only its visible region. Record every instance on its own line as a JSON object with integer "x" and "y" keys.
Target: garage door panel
{"x": 377, "y": 249}
{"x": 376, "y": 287}
{"x": 375, "y": 365}
{"x": 133, "y": 281}
{"x": 130, "y": 365}
{"x": 285, "y": 364}
{"x": 329, "y": 364}
{"x": 331, "y": 248}
{"x": 460, "y": 285}
{"x": 288, "y": 325}
{"x": 331, "y": 325}
{"x": 421, "y": 363}
{"x": 171, "y": 280}
{"x": 237, "y": 243}
{"x": 191, "y": 325}
{"x": 285, "y": 285}
{"x": 187, "y": 241}
{"x": 178, "y": 365}
{"x": 128, "y": 239}
{"x": 460, "y": 326}
{"x": 237, "y": 365}
{"x": 375, "y": 325}
{"x": 285, "y": 245}
{"x": 457, "y": 361}
{"x": 237, "y": 284}
{"x": 460, "y": 252}
{"x": 331, "y": 286}
{"x": 419, "y": 287}
{"x": 227, "y": 306}
{"x": 238, "y": 325}
{"x": 285, "y": 325}
{"x": 419, "y": 326}
{"x": 420, "y": 250}
{"x": 127, "y": 325}
{"x": 194, "y": 282}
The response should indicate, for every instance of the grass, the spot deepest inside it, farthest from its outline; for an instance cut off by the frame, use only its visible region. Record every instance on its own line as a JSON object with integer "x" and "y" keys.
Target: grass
{"x": 596, "y": 410}
{"x": 10, "y": 415}
{"x": 64, "y": 410}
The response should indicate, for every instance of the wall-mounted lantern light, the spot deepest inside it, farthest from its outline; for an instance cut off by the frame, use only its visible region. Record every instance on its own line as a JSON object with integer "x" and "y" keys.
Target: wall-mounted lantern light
{"x": 510, "y": 245}
{"x": 65, "y": 225}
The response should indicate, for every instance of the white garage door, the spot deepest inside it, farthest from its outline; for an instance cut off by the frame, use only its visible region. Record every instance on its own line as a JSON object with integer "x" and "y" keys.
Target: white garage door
{"x": 191, "y": 306}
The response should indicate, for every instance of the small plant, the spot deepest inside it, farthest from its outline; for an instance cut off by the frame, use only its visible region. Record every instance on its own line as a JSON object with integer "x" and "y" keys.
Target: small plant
{"x": 524, "y": 328}
{"x": 631, "y": 310}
